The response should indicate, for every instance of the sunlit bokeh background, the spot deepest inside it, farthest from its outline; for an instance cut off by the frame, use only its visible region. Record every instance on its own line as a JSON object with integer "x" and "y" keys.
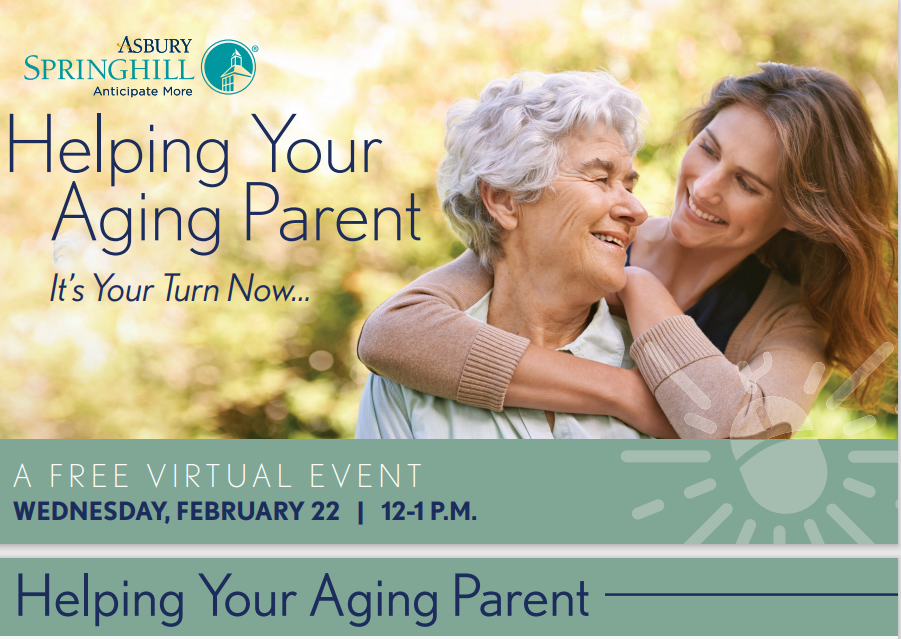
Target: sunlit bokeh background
{"x": 348, "y": 70}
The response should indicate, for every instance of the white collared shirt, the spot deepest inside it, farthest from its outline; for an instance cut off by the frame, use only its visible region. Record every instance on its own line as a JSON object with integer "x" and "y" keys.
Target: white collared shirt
{"x": 389, "y": 410}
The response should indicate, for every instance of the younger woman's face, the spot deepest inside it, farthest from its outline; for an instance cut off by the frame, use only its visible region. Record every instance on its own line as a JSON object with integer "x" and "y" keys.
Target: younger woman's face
{"x": 725, "y": 192}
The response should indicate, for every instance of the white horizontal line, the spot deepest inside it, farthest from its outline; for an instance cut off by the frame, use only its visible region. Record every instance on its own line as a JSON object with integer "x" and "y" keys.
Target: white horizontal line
{"x": 440, "y": 551}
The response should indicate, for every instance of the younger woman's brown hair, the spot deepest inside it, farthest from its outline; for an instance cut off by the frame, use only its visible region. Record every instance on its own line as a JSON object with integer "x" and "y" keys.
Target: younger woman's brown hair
{"x": 837, "y": 186}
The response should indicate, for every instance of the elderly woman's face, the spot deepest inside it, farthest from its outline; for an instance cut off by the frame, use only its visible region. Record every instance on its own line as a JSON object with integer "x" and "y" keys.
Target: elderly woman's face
{"x": 580, "y": 227}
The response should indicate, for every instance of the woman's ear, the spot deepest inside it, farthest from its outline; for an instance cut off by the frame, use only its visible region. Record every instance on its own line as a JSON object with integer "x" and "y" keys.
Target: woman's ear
{"x": 500, "y": 205}
{"x": 789, "y": 226}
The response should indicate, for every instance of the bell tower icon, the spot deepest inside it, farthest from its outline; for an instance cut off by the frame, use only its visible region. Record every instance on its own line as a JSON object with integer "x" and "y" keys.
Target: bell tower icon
{"x": 236, "y": 78}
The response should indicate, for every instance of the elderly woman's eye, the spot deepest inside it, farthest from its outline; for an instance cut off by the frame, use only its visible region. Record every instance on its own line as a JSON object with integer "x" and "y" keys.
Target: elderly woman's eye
{"x": 603, "y": 179}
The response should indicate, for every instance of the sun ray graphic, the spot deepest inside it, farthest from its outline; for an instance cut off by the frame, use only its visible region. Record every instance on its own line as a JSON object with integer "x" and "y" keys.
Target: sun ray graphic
{"x": 711, "y": 524}
{"x": 858, "y": 487}
{"x": 811, "y": 387}
{"x": 813, "y": 532}
{"x": 814, "y": 377}
{"x": 858, "y": 376}
{"x": 744, "y": 537}
{"x": 701, "y": 488}
{"x": 701, "y": 423}
{"x": 859, "y": 425}
{"x": 779, "y": 535}
{"x": 847, "y": 525}
{"x": 873, "y": 457}
{"x": 646, "y": 510}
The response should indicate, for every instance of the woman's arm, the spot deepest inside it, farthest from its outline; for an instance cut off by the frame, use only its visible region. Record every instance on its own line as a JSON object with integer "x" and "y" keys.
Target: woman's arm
{"x": 550, "y": 380}
{"x": 421, "y": 338}
{"x": 703, "y": 394}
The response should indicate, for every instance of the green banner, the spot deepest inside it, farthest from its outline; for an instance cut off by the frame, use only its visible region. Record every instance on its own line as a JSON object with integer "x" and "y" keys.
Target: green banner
{"x": 115, "y": 492}
{"x": 553, "y": 597}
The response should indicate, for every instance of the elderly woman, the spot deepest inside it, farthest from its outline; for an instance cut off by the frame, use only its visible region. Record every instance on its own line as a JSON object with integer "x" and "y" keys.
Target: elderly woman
{"x": 537, "y": 181}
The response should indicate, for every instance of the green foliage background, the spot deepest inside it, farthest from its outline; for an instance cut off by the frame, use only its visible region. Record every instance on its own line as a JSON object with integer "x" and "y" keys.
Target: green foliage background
{"x": 349, "y": 70}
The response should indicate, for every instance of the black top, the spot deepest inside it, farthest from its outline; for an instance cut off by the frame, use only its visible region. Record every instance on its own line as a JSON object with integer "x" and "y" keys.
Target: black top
{"x": 724, "y": 305}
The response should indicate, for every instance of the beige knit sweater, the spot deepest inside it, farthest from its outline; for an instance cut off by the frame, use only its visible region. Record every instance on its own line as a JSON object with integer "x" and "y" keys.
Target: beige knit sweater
{"x": 421, "y": 338}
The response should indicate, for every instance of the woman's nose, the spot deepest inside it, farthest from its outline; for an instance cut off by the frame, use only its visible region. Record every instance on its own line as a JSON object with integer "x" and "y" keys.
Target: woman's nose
{"x": 707, "y": 185}
{"x": 629, "y": 210}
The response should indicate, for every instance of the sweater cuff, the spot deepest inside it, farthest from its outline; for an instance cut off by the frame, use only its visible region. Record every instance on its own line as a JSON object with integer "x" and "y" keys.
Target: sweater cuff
{"x": 668, "y": 347}
{"x": 489, "y": 367}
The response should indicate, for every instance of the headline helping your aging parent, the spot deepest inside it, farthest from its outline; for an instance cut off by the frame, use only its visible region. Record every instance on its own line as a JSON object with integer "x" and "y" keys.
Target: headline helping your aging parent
{"x": 231, "y": 601}
{"x": 77, "y": 156}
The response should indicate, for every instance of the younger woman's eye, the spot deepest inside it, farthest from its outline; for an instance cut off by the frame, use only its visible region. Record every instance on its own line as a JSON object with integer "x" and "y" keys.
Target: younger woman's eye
{"x": 747, "y": 188}
{"x": 706, "y": 148}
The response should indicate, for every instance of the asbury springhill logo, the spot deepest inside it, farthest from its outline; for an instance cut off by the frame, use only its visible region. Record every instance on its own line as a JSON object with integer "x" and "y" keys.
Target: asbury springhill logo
{"x": 228, "y": 67}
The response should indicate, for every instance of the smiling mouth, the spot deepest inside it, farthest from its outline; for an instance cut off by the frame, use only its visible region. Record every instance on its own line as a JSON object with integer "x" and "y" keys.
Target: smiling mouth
{"x": 609, "y": 239}
{"x": 701, "y": 214}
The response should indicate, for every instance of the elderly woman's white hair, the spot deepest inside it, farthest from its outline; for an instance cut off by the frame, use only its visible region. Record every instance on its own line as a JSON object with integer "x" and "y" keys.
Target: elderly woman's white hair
{"x": 511, "y": 138}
